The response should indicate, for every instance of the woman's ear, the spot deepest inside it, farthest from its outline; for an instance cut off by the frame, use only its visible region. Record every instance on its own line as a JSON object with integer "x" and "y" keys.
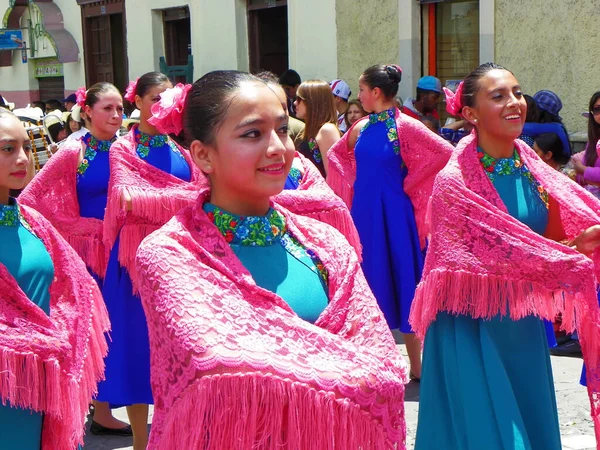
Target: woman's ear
{"x": 88, "y": 112}
{"x": 202, "y": 156}
{"x": 470, "y": 115}
{"x": 138, "y": 102}
{"x": 548, "y": 156}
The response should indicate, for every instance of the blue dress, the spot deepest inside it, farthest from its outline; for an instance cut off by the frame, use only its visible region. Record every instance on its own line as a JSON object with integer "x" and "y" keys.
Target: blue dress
{"x": 385, "y": 220}
{"x": 487, "y": 384}
{"x": 275, "y": 259}
{"x": 128, "y": 362}
{"x": 27, "y": 260}
{"x": 292, "y": 182}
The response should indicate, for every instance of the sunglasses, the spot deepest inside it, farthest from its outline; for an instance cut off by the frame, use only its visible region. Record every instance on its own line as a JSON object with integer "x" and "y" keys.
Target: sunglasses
{"x": 595, "y": 110}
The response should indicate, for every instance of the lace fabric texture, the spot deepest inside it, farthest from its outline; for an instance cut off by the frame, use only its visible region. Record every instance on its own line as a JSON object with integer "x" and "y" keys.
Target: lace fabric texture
{"x": 52, "y": 363}
{"x": 483, "y": 262}
{"x": 250, "y": 372}
{"x": 53, "y": 193}
{"x": 156, "y": 197}
{"x": 423, "y": 153}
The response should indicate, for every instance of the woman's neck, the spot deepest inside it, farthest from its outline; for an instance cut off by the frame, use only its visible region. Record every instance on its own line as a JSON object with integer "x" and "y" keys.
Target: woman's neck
{"x": 495, "y": 147}
{"x": 101, "y": 136}
{"x": 383, "y": 106}
{"x": 240, "y": 208}
{"x": 146, "y": 128}
{"x": 4, "y": 195}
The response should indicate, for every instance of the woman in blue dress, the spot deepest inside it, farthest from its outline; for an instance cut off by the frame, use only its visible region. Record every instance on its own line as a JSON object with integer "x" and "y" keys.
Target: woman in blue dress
{"x": 41, "y": 263}
{"x": 382, "y": 211}
{"x": 71, "y": 192}
{"x": 144, "y": 164}
{"x": 487, "y": 383}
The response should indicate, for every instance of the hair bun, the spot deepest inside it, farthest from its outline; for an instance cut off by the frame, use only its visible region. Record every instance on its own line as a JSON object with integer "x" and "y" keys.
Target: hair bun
{"x": 394, "y": 72}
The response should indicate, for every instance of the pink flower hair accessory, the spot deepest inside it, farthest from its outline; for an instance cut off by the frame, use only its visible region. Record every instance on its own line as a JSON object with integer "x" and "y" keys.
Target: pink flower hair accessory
{"x": 81, "y": 96}
{"x": 131, "y": 90}
{"x": 167, "y": 114}
{"x": 454, "y": 100}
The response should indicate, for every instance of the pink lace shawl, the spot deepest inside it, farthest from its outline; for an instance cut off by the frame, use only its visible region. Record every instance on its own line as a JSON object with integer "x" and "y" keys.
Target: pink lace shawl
{"x": 53, "y": 363}
{"x": 234, "y": 368}
{"x": 157, "y": 196}
{"x": 423, "y": 152}
{"x": 482, "y": 262}
{"x": 314, "y": 198}
{"x": 53, "y": 193}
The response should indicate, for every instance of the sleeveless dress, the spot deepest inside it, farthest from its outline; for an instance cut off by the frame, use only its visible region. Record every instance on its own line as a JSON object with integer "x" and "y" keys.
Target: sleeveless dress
{"x": 275, "y": 259}
{"x": 27, "y": 260}
{"x": 385, "y": 220}
{"x": 128, "y": 362}
{"x": 310, "y": 149}
{"x": 487, "y": 384}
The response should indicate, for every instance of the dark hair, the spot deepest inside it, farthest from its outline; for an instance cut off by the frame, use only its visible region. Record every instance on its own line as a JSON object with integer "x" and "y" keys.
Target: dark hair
{"x": 471, "y": 82}
{"x": 267, "y": 77}
{"x": 148, "y": 81}
{"x": 208, "y": 101}
{"x": 97, "y": 90}
{"x": 39, "y": 104}
{"x": 385, "y": 77}
{"x": 430, "y": 119}
{"x": 54, "y": 130}
{"x": 54, "y": 104}
{"x": 538, "y": 115}
{"x": 290, "y": 78}
{"x": 68, "y": 124}
{"x": 591, "y": 155}
{"x": 423, "y": 92}
{"x": 551, "y": 142}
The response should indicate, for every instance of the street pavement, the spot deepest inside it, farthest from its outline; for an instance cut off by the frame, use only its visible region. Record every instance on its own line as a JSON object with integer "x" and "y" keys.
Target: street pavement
{"x": 576, "y": 427}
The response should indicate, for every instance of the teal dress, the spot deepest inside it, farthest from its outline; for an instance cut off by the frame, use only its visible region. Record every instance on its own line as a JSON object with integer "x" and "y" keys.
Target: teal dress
{"x": 27, "y": 260}
{"x": 277, "y": 261}
{"x": 487, "y": 384}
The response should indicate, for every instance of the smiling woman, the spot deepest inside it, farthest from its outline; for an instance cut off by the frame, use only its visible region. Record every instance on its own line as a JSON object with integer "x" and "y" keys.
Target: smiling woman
{"x": 255, "y": 312}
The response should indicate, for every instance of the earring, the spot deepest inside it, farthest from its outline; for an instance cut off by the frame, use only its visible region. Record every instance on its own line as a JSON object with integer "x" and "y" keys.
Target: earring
{"x": 474, "y": 120}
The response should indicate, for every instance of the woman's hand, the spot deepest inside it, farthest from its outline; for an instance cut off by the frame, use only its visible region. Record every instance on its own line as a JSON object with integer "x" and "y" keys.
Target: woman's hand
{"x": 587, "y": 241}
{"x": 126, "y": 200}
{"x": 578, "y": 165}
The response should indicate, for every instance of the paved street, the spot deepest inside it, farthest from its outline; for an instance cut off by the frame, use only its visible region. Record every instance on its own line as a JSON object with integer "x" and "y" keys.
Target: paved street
{"x": 573, "y": 410}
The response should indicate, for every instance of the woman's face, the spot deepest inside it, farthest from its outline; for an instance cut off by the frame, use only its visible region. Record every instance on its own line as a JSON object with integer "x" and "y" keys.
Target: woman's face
{"x": 300, "y": 106}
{"x": 152, "y": 96}
{"x": 354, "y": 113}
{"x": 74, "y": 125}
{"x": 15, "y": 151}
{"x": 252, "y": 153}
{"x": 500, "y": 107}
{"x": 597, "y": 114}
{"x": 106, "y": 115}
{"x": 366, "y": 96}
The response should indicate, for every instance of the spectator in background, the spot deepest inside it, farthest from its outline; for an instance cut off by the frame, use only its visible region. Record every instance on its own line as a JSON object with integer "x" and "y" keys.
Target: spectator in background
{"x": 53, "y": 105}
{"x": 550, "y": 148}
{"x": 354, "y": 112}
{"x": 341, "y": 93}
{"x": 431, "y": 122}
{"x": 71, "y": 125}
{"x": 290, "y": 80}
{"x": 39, "y": 104}
{"x": 429, "y": 90}
{"x": 587, "y": 165}
{"x": 70, "y": 101}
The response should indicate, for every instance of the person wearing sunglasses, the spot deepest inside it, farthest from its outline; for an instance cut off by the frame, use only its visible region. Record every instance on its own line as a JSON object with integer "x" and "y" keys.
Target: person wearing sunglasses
{"x": 587, "y": 163}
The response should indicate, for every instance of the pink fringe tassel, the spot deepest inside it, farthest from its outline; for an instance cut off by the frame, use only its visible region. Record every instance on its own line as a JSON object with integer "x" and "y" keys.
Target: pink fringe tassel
{"x": 245, "y": 411}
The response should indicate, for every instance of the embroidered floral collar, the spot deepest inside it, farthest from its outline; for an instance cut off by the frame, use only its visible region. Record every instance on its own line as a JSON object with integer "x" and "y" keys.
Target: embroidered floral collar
{"x": 92, "y": 147}
{"x": 295, "y": 176}
{"x": 145, "y": 142}
{"x": 10, "y": 215}
{"x": 507, "y": 166}
{"x": 255, "y": 231}
{"x": 314, "y": 148}
{"x": 389, "y": 118}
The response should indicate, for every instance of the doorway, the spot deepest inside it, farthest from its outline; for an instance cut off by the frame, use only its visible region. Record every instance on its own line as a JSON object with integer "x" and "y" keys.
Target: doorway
{"x": 105, "y": 44}
{"x": 268, "y": 36}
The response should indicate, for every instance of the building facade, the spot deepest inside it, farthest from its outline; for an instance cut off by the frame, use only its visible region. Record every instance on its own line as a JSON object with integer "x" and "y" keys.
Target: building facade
{"x": 548, "y": 44}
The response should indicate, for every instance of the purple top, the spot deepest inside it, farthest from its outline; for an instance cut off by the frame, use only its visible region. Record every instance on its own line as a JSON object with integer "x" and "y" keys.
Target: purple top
{"x": 592, "y": 174}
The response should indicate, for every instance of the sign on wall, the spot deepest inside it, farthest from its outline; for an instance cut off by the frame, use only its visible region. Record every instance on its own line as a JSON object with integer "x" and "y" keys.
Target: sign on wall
{"x": 46, "y": 68}
{"x": 11, "y": 39}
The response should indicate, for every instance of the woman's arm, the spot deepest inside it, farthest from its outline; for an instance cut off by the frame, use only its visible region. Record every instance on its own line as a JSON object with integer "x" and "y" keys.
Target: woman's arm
{"x": 327, "y": 136}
